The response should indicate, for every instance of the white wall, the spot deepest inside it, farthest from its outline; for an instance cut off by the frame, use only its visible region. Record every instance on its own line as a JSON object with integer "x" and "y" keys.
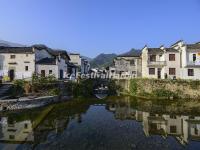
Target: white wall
{"x": 54, "y": 69}
{"x": 21, "y": 61}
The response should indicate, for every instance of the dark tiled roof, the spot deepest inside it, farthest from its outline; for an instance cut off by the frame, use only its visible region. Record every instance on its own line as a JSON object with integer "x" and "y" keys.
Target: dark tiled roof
{"x": 176, "y": 43}
{"x": 131, "y": 53}
{"x": 54, "y": 52}
{"x": 155, "y": 50}
{"x": 171, "y": 50}
{"x": 47, "y": 61}
{"x": 16, "y": 50}
{"x": 62, "y": 53}
{"x": 193, "y": 46}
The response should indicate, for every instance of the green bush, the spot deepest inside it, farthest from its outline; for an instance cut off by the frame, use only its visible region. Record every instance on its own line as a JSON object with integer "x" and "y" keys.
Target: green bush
{"x": 133, "y": 86}
{"x": 17, "y": 89}
{"x": 164, "y": 93}
{"x": 53, "y": 92}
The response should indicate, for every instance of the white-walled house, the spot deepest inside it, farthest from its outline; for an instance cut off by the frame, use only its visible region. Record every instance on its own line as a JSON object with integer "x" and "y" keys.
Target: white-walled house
{"x": 160, "y": 63}
{"x": 190, "y": 59}
{"x": 54, "y": 64}
{"x": 127, "y": 65}
{"x": 23, "y": 62}
{"x": 17, "y": 62}
{"x": 85, "y": 66}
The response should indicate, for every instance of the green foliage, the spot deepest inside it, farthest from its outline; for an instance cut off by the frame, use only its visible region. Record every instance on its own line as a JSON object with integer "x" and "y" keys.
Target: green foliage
{"x": 85, "y": 87}
{"x": 17, "y": 89}
{"x": 43, "y": 83}
{"x": 161, "y": 88}
{"x": 54, "y": 91}
{"x": 164, "y": 93}
{"x": 113, "y": 87}
{"x": 133, "y": 86}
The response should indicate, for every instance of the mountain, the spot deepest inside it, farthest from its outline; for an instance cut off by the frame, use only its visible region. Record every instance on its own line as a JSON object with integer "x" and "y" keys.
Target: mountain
{"x": 102, "y": 60}
{"x": 132, "y": 52}
{"x": 10, "y": 44}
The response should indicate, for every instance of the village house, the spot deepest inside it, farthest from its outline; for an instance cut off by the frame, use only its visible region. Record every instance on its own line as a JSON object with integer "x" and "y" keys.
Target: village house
{"x": 160, "y": 63}
{"x": 85, "y": 66}
{"x": 127, "y": 65}
{"x": 23, "y": 62}
{"x": 190, "y": 59}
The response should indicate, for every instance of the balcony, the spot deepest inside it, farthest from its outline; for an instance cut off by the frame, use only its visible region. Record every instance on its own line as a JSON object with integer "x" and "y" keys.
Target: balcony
{"x": 156, "y": 63}
{"x": 193, "y": 63}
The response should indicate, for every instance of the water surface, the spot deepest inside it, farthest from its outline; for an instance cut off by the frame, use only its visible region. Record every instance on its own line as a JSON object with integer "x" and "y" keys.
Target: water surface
{"x": 117, "y": 123}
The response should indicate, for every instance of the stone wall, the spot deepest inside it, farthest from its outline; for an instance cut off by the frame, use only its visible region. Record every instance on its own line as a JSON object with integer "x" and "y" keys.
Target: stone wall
{"x": 151, "y": 88}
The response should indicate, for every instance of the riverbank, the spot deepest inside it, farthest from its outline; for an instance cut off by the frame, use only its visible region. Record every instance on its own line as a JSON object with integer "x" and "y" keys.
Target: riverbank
{"x": 162, "y": 89}
{"x": 29, "y": 103}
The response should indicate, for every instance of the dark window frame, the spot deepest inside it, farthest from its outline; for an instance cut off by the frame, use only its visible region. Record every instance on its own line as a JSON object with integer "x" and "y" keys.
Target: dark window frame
{"x": 152, "y": 58}
{"x": 26, "y": 68}
{"x": 50, "y": 72}
{"x": 190, "y": 72}
{"x": 152, "y": 71}
{"x": 172, "y": 57}
{"x": 12, "y": 56}
{"x": 172, "y": 71}
{"x": 194, "y": 57}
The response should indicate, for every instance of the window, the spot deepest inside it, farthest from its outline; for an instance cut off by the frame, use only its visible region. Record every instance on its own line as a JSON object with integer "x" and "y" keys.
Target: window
{"x": 172, "y": 129}
{"x": 132, "y": 62}
{"x": 42, "y": 73}
{"x": 152, "y": 57}
{"x": 133, "y": 72}
{"x": 196, "y": 131}
{"x": 151, "y": 71}
{"x": 194, "y": 57}
{"x": 25, "y": 125}
{"x": 50, "y": 71}
{"x": 190, "y": 72}
{"x": 171, "y": 57}
{"x": 11, "y": 137}
{"x": 172, "y": 71}
{"x": 26, "y": 68}
{"x": 12, "y": 56}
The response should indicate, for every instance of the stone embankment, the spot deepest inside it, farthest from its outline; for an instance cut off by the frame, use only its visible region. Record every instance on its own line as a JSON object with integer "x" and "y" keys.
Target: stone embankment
{"x": 162, "y": 89}
{"x": 27, "y": 103}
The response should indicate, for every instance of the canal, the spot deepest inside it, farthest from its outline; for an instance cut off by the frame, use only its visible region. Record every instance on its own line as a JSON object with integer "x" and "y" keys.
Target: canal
{"x": 114, "y": 123}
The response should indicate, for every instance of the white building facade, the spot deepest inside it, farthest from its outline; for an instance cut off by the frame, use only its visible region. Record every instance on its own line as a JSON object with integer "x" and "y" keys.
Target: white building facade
{"x": 23, "y": 62}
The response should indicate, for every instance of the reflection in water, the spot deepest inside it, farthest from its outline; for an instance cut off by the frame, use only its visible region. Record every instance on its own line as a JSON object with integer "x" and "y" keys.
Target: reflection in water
{"x": 120, "y": 123}
{"x": 11, "y": 131}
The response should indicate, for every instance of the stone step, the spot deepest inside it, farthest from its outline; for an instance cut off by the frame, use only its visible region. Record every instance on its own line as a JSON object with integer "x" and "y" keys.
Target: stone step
{"x": 4, "y": 89}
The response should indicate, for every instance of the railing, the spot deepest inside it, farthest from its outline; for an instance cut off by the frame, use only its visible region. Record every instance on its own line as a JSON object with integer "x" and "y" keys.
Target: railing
{"x": 193, "y": 63}
{"x": 156, "y": 63}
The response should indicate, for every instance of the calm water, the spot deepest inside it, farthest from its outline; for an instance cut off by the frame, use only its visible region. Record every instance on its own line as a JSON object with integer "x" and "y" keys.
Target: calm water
{"x": 121, "y": 123}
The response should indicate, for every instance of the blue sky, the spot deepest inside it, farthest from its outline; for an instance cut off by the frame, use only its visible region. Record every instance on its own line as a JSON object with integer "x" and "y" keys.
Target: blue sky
{"x": 99, "y": 26}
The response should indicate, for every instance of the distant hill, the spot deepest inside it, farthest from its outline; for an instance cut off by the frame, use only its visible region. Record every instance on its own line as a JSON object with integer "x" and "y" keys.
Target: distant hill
{"x": 10, "y": 44}
{"x": 132, "y": 52}
{"x": 102, "y": 60}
